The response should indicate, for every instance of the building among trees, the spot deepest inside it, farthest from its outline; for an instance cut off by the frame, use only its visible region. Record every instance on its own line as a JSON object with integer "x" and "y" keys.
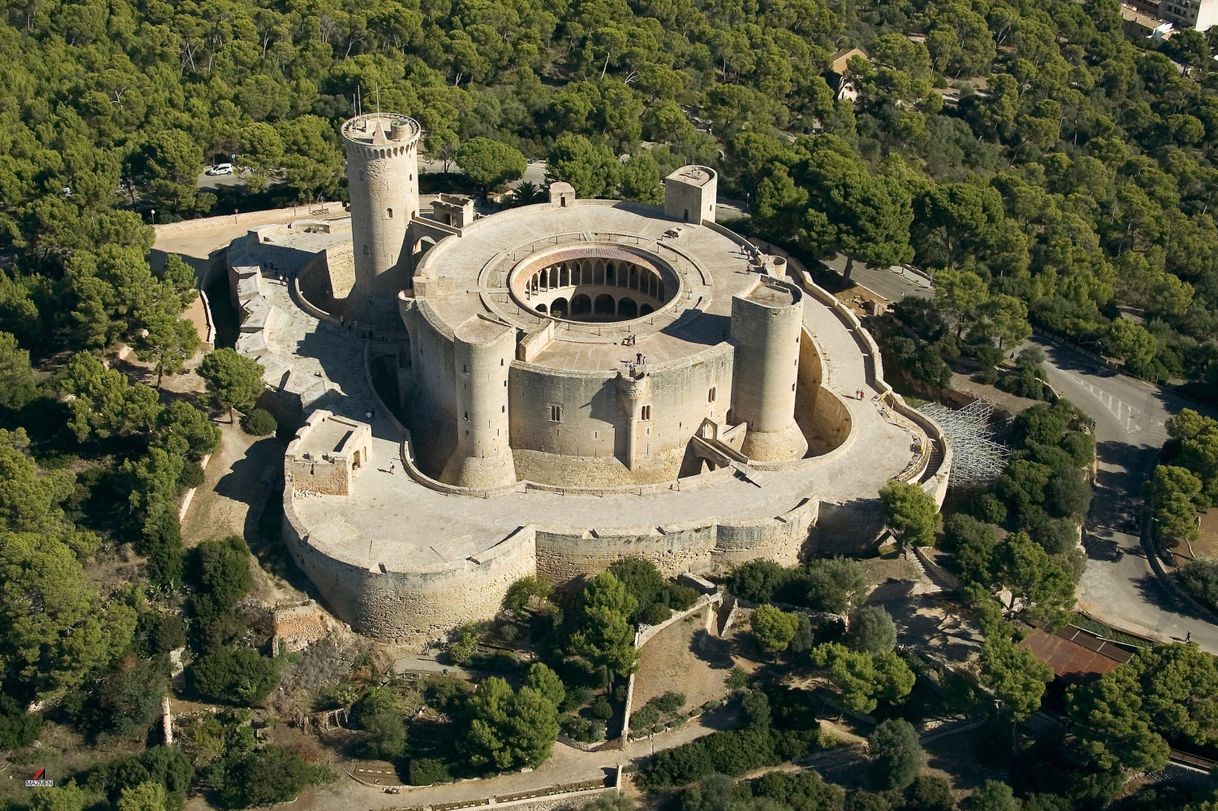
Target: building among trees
{"x": 549, "y": 388}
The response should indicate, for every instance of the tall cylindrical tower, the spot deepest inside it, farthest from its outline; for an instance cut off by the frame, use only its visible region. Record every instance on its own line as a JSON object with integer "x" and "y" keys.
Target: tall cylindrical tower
{"x": 766, "y": 325}
{"x": 482, "y": 354}
{"x": 382, "y": 180}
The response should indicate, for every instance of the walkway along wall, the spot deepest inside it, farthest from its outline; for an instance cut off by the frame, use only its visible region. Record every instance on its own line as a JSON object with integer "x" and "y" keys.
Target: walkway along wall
{"x": 934, "y": 481}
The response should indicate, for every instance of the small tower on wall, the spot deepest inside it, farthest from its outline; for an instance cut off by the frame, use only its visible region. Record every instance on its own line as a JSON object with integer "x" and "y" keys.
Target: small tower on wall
{"x": 383, "y": 183}
{"x": 690, "y": 193}
{"x": 766, "y": 329}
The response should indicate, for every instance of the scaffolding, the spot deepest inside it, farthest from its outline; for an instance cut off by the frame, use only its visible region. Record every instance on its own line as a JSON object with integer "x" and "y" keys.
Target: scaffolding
{"x": 977, "y": 459}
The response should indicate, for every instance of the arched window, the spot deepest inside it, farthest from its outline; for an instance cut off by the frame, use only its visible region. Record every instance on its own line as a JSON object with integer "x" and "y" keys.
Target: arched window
{"x": 603, "y": 305}
{"x": 626, "y": 308}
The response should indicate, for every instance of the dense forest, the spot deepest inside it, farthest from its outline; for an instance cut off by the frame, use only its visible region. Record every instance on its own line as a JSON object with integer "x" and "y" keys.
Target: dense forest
{"x": 1034, "y": 145}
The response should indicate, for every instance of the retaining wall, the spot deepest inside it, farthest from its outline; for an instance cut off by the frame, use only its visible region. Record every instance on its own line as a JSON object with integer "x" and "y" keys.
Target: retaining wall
{"x": 934, "y": 482}
{"x": 695, "y": 546}
{"x": 249, "y": 218}
{"x": 413, "y": 607}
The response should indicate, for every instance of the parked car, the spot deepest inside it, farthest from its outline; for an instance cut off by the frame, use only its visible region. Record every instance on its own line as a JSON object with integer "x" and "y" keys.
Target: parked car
{"x": 221, "y": 169}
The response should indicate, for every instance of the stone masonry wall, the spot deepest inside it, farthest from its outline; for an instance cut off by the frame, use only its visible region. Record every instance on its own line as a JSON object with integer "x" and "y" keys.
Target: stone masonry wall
{"x": 596, "y": 422}
{"x": 701, "y": 547}
{"x": 318, "y": 475}
{"x": 411, "y": 608}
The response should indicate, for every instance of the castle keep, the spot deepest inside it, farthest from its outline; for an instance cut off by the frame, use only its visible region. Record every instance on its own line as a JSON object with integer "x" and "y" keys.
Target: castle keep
{"x": 551, "y": 387}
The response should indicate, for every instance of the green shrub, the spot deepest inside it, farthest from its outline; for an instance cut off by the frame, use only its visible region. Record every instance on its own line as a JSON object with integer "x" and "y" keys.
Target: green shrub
{"x": 896, "y": 754}
{"x": 655, "y": 614}
{"x": 645, "y": 718}
{"x": 736, "y": 679}
{"x": 445, "y": 693}
{"x": 161, "y": 540}
{"x": 159, "y": 632}
{"x": 240, "y": 676}
{"x": 17, "y": 727}
{"x": 576, "y": 697}
{"x": 259, "y": 422}
{"x": 601, "y": 708}
{"x": 929, "y": 792}
{"x": 221, "y": 577}
{"x": 733, "y": 752}
{"x": 681, "y": 597}
{"x": 167, "y": 766}
{"x": 642, "y": 580}
{"x": 463, "y": 645}
{"x": 379, "y": 714}
{"x": 191, "y": 475}
{"x": 758, "y": 580}
{"x": 264, "y": 777}
{"x": 986, "y": 377}
{"x": 668, "y": 702}
{"x": 494, "y": 660}
{"x": 427, "y": 771}
{"x": 799, "y": 791}
{"x": 755, "y": 707}
{"x": 1199, "y": 579}
{"x": 584, "y": 730}
{"x": 989, "y": 508}
{"x": 126, "y": 701}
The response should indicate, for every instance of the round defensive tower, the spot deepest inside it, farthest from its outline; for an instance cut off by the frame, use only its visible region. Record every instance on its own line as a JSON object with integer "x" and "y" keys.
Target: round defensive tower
{"x": 766, "y": 326}
{"x": 483, "y": 352}
{"x": 382, "y": 179}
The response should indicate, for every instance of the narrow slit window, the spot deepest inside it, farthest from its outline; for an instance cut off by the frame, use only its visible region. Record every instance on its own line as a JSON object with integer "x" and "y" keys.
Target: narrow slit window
{"x": 555, "y": 413}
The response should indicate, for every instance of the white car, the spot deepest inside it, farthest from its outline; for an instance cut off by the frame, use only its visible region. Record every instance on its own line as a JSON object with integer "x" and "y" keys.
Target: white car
{"x": 221, "y": 169}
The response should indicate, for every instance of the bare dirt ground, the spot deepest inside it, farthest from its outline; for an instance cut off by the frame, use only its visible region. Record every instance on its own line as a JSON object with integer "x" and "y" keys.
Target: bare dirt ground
{"x": 236, "y": 483}
{"x": 186, "y": 383}
{"x": 1011, "y": 403}
{"x": 862, "y": 301}
{"x": 1206, "y": 546}
{"x": 686, "y": 658}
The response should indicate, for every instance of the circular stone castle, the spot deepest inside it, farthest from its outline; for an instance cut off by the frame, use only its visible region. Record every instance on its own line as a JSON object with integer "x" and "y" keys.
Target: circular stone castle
{"x": 549, "y": 388}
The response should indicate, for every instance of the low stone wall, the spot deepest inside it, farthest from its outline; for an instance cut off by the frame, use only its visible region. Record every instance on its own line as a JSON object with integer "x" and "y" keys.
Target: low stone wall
{"x": 645, "y": 634}
{"x": 424, "y": 603}
{"x": 209, "y": 322}
{"x": 189, "y": 496}
{"x": 695, "y": 546}
{"x": 409, "y": 608}
{"x": 249, "y": 218}
{"x": 935, "y": 482}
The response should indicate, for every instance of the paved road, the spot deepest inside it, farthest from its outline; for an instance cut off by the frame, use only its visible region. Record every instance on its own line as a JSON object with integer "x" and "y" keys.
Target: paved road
{"x": 1117, "y": 586}
{"x": 892, "y": 283}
